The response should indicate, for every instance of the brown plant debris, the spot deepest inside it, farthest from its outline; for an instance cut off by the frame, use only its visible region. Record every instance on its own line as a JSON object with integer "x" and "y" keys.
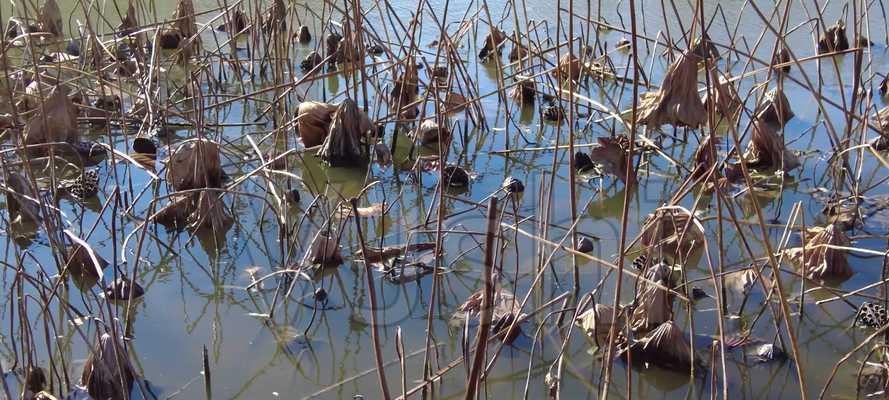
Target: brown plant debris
{"x": 108, "y": 373}
{"x": 704, "y": 48}
{"x": 782, "y": 56}
{"x": 430, "y": 132}
{"x": 56, "y": 123}
{"x": 345, "y": 145}
{"x": 303, "y": 34}
{"x": 667, "y": 347}
{"x": 774, "y": 108}
{"x": 523, "y": 92}
{"x": 80, "y": 265}
{"x": 313, "y": 121}
{"x": 493, "y": 42}
{"x": 672, "y": 231}
{"x": 766, "y": 149}
{"x": 596, "y": 322}
{"x": 833, "y": 39}
{"x": 17, "y": 198}
{"x": 612, "y": 155}
{"x": 677, "y": 103}
{"x": 49, "y": 19}
{"x": 209, "y": 213}
{"x": 726, "y": 101}
{"x": 569, "y": 67}
{"x": 195, "y": 164}
{"x": 326, "y": 251}
{"x": 234, "y": 23}
{"x": 455, "y": 176}
{"x": 654, "y": 305}
{"x": 817, "y": 258}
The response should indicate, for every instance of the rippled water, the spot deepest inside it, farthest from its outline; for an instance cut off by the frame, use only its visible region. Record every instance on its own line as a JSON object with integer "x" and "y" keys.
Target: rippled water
{"x": 196, "y": 291}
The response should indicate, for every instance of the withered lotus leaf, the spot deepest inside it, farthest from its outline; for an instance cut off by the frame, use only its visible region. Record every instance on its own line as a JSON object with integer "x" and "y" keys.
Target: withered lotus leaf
{"x": 108, "y": 373}
{"x": 195, "y": 164}
{"x": 677, "y": 103}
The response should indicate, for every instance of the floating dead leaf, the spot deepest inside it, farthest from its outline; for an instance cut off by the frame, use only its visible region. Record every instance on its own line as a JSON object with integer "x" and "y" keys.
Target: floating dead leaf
{"x": 312, "y": 60}
{"x": 235, "y": 22}
{"x": 303, "y": 34}
{"x": 454, "y": 102}
{"x": 666, "y": 347}
{"x": 210, "y": 214}
{"x": 276, "y": 17}
{"x": 704, "y": 157}
{"x": 80, "y": 265}
{"x": 121, "y": 289}
{"x": 455, "y": 176}
{"x": 741, "y": 282}
{"x": 596, "y": 322}
{"x": 195, "y": 164}
{"x": 175, "y": 214}
{"x": 677, "y": 103}
{"x": 373, "y": 210}
{"x": 504, "y": 304}
{"x": 518, "y": 52}
{"x": 108, "y": 373}
{"x": 331, "y": 45}
{"x": 833, "y": 39}
{"x": 344, "y": 145}
{"x": 383, "y": 155}
{"x": 817, "y": 257}
{"x": 129, "y": 23}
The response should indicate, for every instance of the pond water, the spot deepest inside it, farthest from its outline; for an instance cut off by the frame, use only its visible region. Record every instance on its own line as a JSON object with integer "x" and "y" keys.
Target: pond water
{"x": 196, "y": 288}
